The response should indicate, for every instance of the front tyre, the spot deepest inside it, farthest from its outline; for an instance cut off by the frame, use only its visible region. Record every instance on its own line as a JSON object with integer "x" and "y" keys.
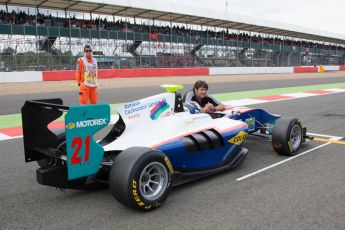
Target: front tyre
{"x": 287, "y": 136}
{"x": 141, "y": 178}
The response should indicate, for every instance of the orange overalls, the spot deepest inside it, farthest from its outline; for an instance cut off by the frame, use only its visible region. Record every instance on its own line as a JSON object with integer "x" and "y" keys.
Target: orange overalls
{"x": 86, "y": 76}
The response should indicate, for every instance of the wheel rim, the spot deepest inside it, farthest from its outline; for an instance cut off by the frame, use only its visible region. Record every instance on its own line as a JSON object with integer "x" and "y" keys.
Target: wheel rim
{"x": 295, "y": 137}
{"x": 153, "y": 181}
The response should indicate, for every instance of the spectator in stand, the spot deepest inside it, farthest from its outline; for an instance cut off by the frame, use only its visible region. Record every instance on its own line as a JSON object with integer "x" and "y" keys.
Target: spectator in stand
{"x": 22, "y": 18}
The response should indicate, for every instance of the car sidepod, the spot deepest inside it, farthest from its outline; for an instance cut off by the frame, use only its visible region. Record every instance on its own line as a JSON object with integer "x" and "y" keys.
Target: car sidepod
{"x": 206, "y": 149}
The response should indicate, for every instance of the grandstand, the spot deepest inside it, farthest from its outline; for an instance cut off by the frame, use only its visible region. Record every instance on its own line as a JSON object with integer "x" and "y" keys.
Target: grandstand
{"x": 50, "y": 34}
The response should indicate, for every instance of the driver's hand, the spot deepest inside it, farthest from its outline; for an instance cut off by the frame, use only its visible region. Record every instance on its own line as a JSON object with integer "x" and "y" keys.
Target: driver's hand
{"x": 209, "y": 108}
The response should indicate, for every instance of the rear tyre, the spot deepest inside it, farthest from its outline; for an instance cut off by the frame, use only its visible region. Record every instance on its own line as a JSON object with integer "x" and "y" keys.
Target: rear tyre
{"x": 141, "y": 178}
{"x": 287, "y": 136}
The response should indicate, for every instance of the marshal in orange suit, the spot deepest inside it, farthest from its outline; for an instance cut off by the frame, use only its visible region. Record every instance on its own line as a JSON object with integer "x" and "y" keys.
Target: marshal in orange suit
{"x": 86, "y": 76}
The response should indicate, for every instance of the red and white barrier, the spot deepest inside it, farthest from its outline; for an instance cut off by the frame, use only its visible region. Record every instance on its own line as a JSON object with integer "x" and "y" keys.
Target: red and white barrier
{"x": 305, "y": 69}
{"x": 153, "y": 72}
{"x": 249, "y": 70}
{"x": 32, "y": 76}
{"x": 332, "y": 68}
{"x": 58, "y": 75}
{"x": 127, "y": 73}
{"x": 25, "y": 76}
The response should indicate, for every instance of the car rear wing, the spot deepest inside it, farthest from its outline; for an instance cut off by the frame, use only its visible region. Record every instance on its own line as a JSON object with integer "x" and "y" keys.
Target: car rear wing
{"x": 36, "y": 116}
{"x": 83, "y": 154}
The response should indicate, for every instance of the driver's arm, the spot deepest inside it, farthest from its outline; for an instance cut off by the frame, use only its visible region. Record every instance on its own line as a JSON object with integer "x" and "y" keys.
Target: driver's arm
{"x": 219, "y": 107}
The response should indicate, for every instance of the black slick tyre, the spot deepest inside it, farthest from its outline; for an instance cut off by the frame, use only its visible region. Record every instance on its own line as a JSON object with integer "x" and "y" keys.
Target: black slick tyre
{"x": 287, "y": 136}
{"x": 141, "y": 178}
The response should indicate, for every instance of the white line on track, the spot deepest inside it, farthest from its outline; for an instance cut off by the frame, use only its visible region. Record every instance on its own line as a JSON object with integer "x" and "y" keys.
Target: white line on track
{"x": 323, "y": 135}
{"x": 288, "y": 159}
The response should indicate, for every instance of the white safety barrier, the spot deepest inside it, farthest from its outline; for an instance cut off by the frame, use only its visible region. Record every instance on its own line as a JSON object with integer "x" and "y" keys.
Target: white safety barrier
{"x": 249, "y": 70}
{"x": 25, "y": 76}
{"x": 331, "y": 68}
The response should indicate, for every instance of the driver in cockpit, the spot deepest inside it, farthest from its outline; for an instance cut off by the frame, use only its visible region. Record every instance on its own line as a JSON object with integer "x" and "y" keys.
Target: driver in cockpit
{"x": 199, "y": 94}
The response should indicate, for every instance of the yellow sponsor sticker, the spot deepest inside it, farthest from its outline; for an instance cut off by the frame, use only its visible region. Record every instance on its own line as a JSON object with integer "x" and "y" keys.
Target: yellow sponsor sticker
{"x": 70, "y": 126}
{"x": 169, "y": 165}
{"x": 239, "y": 138}
{"x": 290, "y": 145}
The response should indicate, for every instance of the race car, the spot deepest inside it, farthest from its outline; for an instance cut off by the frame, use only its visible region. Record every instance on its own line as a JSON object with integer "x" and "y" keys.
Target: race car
{"x": 156, "y": 143}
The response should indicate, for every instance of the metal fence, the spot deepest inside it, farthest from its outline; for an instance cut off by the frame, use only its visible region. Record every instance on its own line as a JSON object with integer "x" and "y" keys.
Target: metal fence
{"x": 51, "y": 48}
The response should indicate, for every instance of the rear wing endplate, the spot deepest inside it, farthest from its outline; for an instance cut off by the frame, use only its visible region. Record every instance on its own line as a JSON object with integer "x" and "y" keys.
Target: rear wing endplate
{"x": 38, "y": 138}
{"x": 84, "y": 154}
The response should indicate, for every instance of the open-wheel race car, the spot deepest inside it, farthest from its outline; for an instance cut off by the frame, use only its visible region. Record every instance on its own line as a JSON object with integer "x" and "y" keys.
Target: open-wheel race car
{"x": 156, "y": 143}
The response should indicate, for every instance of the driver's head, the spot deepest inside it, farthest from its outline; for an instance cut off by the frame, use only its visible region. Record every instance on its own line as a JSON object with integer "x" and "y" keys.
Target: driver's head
{"x": 200, "y": 89}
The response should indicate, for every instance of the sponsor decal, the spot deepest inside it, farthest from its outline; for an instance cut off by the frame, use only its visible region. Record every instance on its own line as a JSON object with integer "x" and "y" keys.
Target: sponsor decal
{"x": 90, "y": 123}
{"x": 70, "y": 126}
{"x": 290, "y": 145}
{"x": 239, "y": 138}
{"x": 166, "y": 159}
{"x": 168, "y": 113}
{"x": 158, "y": 110}
{"x": 131, "y": 105}
{"x": 87, "y": 123}
{"x": 251, "y": 123}
{"x": 130, "y": 117}
{"x": 136, "y": 196}
{"x": 133, "y": 108}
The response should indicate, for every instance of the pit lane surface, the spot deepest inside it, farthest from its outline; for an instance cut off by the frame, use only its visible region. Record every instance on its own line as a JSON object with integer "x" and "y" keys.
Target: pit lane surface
{"x": 305, "y": 193}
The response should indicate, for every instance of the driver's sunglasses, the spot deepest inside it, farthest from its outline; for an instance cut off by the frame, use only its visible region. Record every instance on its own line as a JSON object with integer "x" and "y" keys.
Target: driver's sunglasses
{"x": 87, "y": 51}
